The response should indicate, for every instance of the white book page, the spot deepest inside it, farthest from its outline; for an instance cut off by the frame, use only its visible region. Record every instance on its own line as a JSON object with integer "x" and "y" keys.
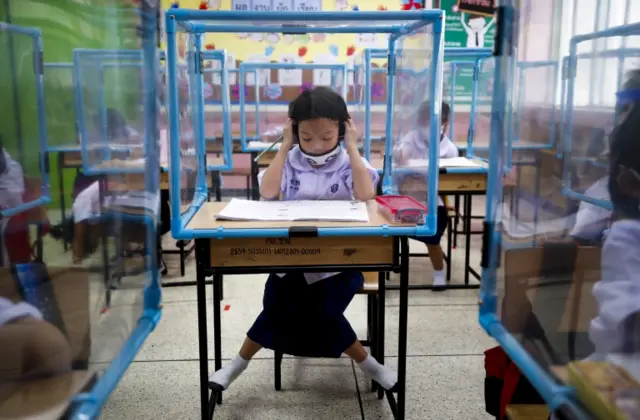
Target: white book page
{"x": 456, "y": 162}
{"x": 289, "y": 211}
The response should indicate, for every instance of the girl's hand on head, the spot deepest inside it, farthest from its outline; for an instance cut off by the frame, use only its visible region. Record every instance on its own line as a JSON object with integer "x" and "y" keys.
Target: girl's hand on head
{"x": 287, "y": 136}
{"x": 350, "y": 136}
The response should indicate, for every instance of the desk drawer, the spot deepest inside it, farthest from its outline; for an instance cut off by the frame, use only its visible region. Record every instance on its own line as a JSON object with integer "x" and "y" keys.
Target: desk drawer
{"x": 279, "y": 252}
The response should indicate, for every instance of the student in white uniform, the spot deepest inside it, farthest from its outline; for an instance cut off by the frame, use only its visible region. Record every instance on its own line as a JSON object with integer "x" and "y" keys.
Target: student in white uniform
{"x": 415, "y": 145}
{"x": 592, "y": 221}
{"x": 616, "y": 328}
{"x": 11, "y": 192}
{"x": 31, "y": 347}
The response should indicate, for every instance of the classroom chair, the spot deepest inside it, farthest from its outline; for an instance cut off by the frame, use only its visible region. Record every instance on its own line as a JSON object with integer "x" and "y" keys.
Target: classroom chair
{"x": 375, "y": 333}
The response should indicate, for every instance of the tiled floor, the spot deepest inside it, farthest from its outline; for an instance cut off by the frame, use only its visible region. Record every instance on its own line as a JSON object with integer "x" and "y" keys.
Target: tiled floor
{"x": 445, "y": 364}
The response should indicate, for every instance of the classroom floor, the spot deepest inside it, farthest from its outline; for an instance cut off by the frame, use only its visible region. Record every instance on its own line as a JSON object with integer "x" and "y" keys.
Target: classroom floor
{"x": 445, "y": 366}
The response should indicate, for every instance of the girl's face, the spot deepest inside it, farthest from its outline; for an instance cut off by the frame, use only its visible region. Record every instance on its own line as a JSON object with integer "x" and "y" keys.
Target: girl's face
{"x": 318, "y": 136}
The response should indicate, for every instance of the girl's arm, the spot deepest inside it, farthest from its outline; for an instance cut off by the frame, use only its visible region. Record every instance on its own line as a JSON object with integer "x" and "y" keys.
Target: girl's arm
{"x": 271, "y": 180}
{"x": 363, "y": 188}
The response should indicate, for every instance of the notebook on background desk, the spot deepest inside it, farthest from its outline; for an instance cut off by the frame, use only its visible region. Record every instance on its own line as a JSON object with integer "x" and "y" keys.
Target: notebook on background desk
{"x": 290, "y": 211}
{"x": 456, "y": 162}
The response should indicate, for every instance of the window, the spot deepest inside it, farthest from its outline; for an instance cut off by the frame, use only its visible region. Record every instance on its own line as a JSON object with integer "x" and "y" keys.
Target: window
{"x": 598, "y": 77}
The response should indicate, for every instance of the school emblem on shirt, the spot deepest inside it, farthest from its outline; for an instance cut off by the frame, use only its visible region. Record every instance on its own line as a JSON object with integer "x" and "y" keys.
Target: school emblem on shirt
{"x": 294, "y": 184}
{"x": 334, "y": 188}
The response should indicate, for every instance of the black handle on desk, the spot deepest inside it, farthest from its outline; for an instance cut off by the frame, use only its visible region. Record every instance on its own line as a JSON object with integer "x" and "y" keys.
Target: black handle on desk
{"x": 303, "y": 232}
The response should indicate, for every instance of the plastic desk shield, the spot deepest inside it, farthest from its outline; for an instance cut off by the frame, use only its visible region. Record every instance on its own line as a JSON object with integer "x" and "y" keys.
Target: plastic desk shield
{"x": 217, "y": 117}
{"x": 270, "y": 119}
{"x": 478, "y": 138}
{"x": 101, "y": 296}
{"x": 62, "y": 127}
{"x": 416, "y": 35}
{"x": 24, "y": 177}
{"x": 545, "y": 273}
{"x": 372, "y": 79}
{"x": 110, "y": 115}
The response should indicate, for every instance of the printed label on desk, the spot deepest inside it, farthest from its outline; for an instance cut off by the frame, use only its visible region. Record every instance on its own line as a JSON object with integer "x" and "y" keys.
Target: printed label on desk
{"x": 252, "y": 252}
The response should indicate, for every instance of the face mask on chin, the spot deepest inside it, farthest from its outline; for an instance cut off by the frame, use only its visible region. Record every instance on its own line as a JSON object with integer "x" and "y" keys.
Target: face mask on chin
{"x": 322, "y": 159}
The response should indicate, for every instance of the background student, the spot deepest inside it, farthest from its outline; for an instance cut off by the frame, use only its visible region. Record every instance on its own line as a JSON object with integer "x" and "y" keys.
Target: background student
{"x": 415, "y": 145}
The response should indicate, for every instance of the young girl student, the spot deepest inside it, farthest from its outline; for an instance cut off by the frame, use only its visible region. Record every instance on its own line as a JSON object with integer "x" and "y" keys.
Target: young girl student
{"x": 415, "y": 145}
{"x": 303, "y": 313}
{"x": 616, "y": 328}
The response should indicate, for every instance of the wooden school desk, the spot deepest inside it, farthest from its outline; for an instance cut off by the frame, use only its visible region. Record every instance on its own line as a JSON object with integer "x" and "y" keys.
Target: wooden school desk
{"x": 302, "y": 251}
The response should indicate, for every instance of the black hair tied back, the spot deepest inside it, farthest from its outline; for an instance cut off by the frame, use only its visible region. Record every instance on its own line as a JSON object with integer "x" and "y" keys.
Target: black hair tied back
{"x": 320, "y": 102}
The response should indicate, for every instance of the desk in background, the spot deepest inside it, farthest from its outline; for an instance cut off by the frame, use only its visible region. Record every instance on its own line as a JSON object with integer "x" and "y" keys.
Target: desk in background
{"x": 302, "y": 251}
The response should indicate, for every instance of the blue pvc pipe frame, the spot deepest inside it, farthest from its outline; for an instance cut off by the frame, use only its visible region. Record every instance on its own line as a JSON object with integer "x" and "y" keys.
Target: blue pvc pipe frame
{"x": 88, "y": 405}
{"x": 554, "y": 395}
{"x": 368, "y": 55}
{"x": 231, "y": 21}
{"x": 244, "y": 67}
{"x": 118, "y": 57}
{"x": 225, "y": 102}
{"x": 38, "y": 70}
{"x": 572, "y": 62}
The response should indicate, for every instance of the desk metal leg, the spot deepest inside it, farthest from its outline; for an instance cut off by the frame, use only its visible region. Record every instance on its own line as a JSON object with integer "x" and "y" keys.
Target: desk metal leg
{"x": 61, "y": 196}
{"x": 380, "y": 335}
{"x": 456, "y": 220}
{"x": 467, "y": 228}
{"x": 201, "y": 293}
{"x": 217, "y": 327}
{"x": 402, "y": 333}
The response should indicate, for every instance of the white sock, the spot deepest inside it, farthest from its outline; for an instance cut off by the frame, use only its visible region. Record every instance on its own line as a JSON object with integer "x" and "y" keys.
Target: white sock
{"x": 382, "y": 374}
{"x": 439, "y": 278}
{"x": 229, "y": 373}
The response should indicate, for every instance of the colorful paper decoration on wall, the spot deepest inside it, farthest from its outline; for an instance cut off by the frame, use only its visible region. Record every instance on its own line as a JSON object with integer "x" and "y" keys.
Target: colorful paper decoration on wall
{"x": 235, "y": 92}
{"x": 302, "y": 51}
{"x": 273, "y": 91}
{"x": 210, "y": 46}
{"x": 305, "y": 87}
{"x": 412, "y": 4}
{"x": 204, "y": 5}
{"x": 334, "y": 50}
{"x": 269, "y": 51}
{"x": 350, "y": 50}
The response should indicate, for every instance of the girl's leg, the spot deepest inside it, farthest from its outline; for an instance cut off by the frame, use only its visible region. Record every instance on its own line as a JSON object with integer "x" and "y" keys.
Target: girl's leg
{"x": 229, "y": 373}
{"x": 382, "y": 374}
{"x": 79, "y": 232}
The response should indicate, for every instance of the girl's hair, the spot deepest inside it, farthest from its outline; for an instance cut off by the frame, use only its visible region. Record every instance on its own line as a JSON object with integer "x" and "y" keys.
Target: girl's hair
{"x": 320, "y": 102}
{"x": 424, "y": 112}
{"x": 116, "y": 124}
{"x": 625, "y": 149}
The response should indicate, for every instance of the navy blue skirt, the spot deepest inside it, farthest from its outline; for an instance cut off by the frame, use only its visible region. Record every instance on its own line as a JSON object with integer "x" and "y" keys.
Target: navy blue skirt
{"x": 307, "y": 320}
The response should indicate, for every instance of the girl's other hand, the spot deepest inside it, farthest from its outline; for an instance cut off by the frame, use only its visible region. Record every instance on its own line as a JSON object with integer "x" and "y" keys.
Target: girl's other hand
{"x": 350, "y": 136}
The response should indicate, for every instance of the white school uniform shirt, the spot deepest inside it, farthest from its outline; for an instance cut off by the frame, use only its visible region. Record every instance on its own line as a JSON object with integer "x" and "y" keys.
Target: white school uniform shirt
{"x": 333, "y": 181}
{"x": 10, "y": 311}
{"x": 593, "y": 221}
{"x": 11, "y": 193}
{"x": 618, "y": 291}
{"x": 415, "y": 145}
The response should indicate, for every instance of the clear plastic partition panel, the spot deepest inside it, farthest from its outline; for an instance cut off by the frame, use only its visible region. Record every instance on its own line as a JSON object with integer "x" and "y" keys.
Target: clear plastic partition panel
{"x": 81, "y": 274}
{"x": 414, "y": 122}
{"x": 556, "y": 295}
{"x": 24, "y": 182}
{"x": 215, "y": 88}
{"x": 358, "y": 107}
{"x": 479, "y": 134}
{"x": 459, "y": 97}
{"x": 109, "y": 112}
{"x": 377, "y": 111}
{"x": 62, "y": 128}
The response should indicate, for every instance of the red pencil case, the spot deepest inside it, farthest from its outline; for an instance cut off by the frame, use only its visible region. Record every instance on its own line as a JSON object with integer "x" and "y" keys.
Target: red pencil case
{"x": 401, "y": 209}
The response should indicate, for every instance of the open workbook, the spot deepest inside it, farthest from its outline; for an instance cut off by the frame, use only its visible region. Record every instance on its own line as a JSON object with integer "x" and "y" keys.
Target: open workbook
{"x": 456, "y": 162}
{"x": 291, "y": 211}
